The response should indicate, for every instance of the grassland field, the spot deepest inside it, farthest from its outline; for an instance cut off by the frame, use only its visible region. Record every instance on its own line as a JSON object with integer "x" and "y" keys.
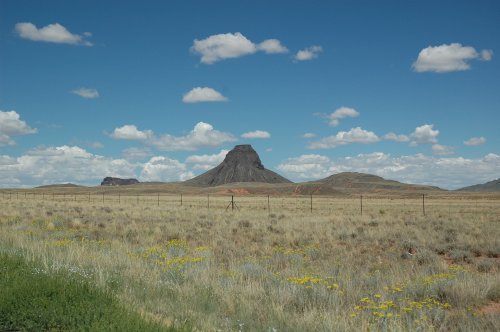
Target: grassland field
{"x": 278, "y": 267}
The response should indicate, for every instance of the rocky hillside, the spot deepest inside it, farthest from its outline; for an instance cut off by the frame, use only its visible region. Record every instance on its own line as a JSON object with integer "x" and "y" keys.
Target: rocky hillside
{"x": 361, "y": 182}
{"x": 492, "y": 186}
{"x": 242, "y": 164}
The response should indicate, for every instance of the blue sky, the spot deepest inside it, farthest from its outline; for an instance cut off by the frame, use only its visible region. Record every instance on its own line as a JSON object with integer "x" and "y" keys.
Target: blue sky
{"x": 408, "y": 90}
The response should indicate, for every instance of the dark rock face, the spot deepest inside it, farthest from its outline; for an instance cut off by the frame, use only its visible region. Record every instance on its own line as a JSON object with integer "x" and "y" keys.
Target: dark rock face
{"x": 242, "y": 164}
{"x": 109, "y": 181}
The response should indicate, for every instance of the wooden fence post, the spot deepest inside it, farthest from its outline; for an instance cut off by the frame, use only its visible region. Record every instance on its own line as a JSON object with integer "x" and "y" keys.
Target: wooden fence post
{"x": 423, "y": 204}
{"x": 361, "y": 203}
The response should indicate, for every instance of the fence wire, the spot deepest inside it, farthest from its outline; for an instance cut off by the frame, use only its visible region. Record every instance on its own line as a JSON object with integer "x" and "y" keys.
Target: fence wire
{"x": 362, "y": 204}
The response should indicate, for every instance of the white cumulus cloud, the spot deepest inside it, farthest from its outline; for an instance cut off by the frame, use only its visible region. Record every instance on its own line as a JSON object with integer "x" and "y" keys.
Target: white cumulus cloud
{"x": 161, "y": 168}
{"x": 355, "y": 135}
{"x": 396, "y": 138}
{"x": 206, "y": 161}
{"x": 341, "y": 113}
{"x": 272, "y": 46}
{"x": 256, "y": 134}
{"x": 425, "y": 134}
{"x": 308, "y": 53}
{"x": 442, "y": 150}
{"x": 306, "y": 167}
{"x": 205, "y": 94}
{"x": 448, "y": 57}
{"x": 12, "y": 125}
{"x": 475, "y": 141}
{"x": 87, "y": 93}
{"x": 232, "y": 45}
{"x": 130, "y": 132}
{"x": 203, "y": 135}
{"x": 445, "y": 172}
{"x": 52, "y": 33}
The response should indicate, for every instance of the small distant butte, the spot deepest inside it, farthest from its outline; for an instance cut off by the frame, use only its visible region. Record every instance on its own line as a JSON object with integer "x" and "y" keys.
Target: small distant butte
{"x": 110, "y": 181}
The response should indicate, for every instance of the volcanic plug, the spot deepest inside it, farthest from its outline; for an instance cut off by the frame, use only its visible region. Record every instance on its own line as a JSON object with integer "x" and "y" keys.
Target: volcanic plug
{"x": 242, "y": 164}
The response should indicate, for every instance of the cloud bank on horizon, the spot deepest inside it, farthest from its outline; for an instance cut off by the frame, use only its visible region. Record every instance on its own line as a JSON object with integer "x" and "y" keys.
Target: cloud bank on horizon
{"x": 423, "y": 112}
{"x": 42, "y": 166}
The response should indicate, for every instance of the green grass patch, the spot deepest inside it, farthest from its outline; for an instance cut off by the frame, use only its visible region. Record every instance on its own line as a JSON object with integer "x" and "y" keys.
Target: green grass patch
{"x": 32, "y": 300}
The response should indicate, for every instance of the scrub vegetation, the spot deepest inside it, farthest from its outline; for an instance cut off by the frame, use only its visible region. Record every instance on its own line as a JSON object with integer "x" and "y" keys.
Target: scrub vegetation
{"x": 192, "y": 267}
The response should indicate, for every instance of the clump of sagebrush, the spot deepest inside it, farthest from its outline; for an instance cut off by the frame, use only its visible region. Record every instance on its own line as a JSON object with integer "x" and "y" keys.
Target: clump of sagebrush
{"x": 485, "y": 265}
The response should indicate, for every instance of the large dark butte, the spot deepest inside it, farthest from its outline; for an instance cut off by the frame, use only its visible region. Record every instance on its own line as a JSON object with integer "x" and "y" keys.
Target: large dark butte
{"x": 242, "y": 164}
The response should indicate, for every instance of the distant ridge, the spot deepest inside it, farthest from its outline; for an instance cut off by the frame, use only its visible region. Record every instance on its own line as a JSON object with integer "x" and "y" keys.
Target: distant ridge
{"x": 241, "y": 164}
{"x": 242, "y": 173}
{"x": 60, "y": 185}
{"x": 491, "y": 186}
{"x": 361, "y": 182}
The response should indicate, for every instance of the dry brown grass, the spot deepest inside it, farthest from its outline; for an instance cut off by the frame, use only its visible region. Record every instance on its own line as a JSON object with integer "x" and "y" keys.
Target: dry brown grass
{"x": 285, "y": 269}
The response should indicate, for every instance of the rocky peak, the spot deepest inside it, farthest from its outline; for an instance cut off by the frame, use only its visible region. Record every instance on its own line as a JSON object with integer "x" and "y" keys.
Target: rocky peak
{"x": 241, "y": 164}
{"x": 243, "y": 155}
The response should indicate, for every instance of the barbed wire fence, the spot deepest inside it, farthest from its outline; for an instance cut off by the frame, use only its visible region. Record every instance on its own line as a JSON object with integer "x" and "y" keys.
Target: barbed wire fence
{"x": 365, "y": 204}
